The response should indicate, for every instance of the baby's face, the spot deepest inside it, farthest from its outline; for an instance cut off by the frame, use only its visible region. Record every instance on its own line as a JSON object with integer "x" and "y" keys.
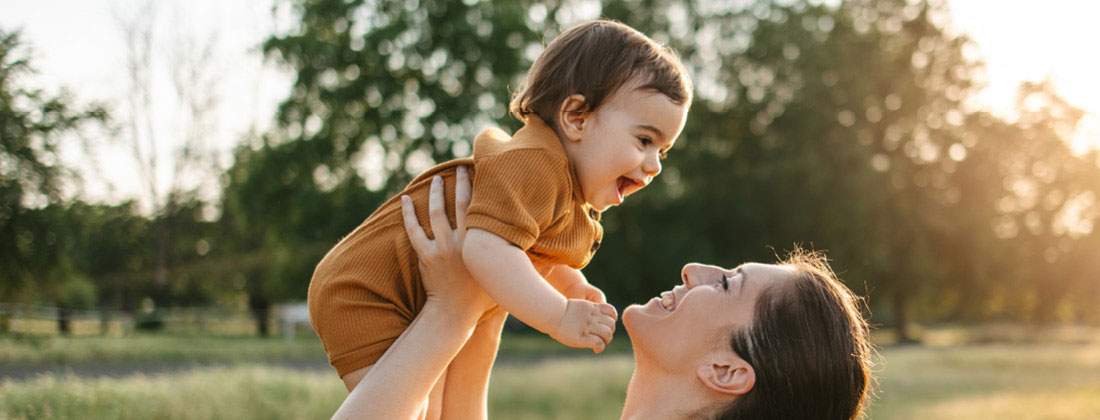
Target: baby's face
{"x": 623, "y": 143}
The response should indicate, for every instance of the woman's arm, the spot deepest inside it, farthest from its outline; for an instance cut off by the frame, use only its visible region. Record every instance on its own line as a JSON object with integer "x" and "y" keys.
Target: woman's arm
{"x": 398, "y": 384}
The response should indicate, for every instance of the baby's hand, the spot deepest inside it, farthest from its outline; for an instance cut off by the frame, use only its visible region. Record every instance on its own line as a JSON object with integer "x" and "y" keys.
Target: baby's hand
{"x": 585, "y": 290}
{"x": 586, "y": 325}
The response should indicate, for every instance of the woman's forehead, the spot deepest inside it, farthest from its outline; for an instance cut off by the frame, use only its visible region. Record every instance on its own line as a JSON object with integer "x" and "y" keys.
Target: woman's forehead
{"x": 764, "y": 274}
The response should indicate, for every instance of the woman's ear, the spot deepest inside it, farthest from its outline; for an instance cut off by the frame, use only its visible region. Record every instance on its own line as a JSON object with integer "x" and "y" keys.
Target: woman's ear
{"x": 572, "y": 116}
{"x": 728, "y": 374}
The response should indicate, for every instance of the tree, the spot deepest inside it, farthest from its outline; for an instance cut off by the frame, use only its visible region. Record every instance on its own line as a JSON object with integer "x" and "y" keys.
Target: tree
{"x": 193, "y": 76}
{"x": 383, "y": 91}
{"x": 33, "y": 126}
{"x": 389, "y": 88}
{"x": 838, "y": 126}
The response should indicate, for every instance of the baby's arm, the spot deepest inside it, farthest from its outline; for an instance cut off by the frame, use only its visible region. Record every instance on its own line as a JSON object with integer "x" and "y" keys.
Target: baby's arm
{"x": 506, "y": 274}
{"x": 572, "y": 283}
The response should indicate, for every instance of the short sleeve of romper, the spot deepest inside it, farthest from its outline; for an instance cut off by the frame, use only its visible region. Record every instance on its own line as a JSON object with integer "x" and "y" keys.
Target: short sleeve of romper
{"x": 519, "y": 194}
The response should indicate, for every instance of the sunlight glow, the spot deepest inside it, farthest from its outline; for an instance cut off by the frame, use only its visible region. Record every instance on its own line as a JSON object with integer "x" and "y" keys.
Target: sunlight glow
{"x": 1032, "y": 41}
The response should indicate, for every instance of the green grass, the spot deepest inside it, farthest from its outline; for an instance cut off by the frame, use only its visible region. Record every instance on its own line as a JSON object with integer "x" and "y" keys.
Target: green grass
{"x": 154, "y": 348}
{"x": 525, "y": 345}
{"x": 53, "y": 350}
{"x": 588, "y": 387}
{"x": 536, "y": 379}
{"x": 219, "y": 393}
{"x": 1020, "y": 381}
{"x": 176, "y": 347}
{"x": 1028, "y": 381}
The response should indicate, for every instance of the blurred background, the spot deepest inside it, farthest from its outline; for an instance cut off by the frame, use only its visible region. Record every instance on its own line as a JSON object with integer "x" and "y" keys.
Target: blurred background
{"x": 171, "y": 172}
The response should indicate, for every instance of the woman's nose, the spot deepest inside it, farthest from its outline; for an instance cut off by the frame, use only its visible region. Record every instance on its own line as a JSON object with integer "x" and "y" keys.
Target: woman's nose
{"x": 695, "y": 274}
{"x": 692, "y": 273}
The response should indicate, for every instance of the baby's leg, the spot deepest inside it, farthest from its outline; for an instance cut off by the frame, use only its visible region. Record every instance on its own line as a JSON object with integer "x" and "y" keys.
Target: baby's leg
{"x": 434, "y": 409}
{"x": 467, "y": 384}
{"x": 354, "y": 377}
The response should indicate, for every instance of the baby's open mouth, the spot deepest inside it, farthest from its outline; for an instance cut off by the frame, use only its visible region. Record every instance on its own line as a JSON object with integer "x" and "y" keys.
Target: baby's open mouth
{"x": 623, "y": 184}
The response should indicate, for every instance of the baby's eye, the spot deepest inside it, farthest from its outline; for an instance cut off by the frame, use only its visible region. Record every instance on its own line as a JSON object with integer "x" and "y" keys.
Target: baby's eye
{"x": 725, "y": 282}
{"x": 645, "y": 141}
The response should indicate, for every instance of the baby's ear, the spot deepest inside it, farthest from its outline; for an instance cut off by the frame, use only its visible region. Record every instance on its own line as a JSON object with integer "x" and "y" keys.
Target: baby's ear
{"x": 727, "y": 373}
{"x": 571, "y": 117}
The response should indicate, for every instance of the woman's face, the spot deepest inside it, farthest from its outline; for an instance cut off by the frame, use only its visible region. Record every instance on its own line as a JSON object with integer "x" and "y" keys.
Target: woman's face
{"x": 696, "y": 317}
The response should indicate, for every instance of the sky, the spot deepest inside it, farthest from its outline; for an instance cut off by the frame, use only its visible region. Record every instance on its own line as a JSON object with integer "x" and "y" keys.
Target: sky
{"x": 1027, "y": 40}
{"x": 79, "y": 44}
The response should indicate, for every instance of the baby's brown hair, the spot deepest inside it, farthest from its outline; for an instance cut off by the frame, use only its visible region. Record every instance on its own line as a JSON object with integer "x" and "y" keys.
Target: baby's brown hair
{"x": 595, "y": 59}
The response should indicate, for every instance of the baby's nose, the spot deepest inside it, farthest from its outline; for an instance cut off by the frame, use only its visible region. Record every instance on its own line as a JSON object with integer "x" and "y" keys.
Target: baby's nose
{"x": 652, "y": 169}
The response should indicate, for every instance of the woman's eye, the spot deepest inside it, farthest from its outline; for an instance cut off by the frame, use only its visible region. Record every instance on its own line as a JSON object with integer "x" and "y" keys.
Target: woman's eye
{"x": 725, "y": 282}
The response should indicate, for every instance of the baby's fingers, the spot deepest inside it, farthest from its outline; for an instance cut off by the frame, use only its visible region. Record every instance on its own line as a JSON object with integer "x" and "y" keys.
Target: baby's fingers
{"x": 596, "y": 296}
{"x": 607, "y": 309}
{"x": 596, "y": 343}
{"x": 604, "y": 332}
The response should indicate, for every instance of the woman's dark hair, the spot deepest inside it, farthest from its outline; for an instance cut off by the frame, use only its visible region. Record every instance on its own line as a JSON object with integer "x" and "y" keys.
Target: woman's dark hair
{"x": 809, "y": 347}
{"x": 594, "y": 59}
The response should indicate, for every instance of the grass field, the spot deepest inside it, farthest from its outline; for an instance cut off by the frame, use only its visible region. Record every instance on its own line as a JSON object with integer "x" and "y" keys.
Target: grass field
{"x": 174, "y": 348}
{"x": 995, "y": 381}
{"x": 46, "y": 350}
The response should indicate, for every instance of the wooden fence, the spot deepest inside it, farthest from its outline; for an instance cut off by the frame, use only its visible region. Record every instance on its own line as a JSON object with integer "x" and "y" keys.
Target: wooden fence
{"x": 19, "y": 319}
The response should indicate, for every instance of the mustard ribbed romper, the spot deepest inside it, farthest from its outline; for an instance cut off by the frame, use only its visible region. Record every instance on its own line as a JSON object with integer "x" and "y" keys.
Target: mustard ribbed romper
{"x": 367, "y": 289}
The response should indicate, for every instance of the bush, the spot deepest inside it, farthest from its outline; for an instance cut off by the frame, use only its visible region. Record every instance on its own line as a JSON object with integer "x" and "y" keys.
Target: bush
{"x": 148, "y": 321}
{"x": 78, "y": 293}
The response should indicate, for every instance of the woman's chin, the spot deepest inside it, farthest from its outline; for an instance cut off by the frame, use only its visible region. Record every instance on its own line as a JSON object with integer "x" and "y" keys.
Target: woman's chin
{"x": 639, "y": 321}
{"x": 636, "y": 315}
{"x": 630, "y": 315}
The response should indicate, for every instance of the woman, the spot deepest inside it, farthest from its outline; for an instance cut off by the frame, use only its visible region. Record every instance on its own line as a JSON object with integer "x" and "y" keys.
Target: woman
{"x": 760, "y": 341}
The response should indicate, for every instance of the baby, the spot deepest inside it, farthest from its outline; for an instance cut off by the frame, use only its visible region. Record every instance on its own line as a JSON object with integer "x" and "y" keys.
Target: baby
{"x": 601, "y": 106}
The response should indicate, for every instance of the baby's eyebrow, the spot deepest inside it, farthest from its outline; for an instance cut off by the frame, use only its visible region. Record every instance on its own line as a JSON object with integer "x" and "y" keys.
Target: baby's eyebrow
{"x": 655, "y": 130}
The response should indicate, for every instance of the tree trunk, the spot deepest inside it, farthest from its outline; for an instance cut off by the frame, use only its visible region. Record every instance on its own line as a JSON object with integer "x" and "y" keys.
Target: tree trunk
{"x": 65, "y": 321}
{"x": 161, "y": 273}
{"x": 261, "y": 312}
{"x": 104, "y": 321}
{"x": 901, "y": 316}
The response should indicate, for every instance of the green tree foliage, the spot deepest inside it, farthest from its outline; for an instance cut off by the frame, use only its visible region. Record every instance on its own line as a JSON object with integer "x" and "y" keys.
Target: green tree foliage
{"x": 33, "y": 124}
{"x": 843, "y": 127}
{"x": 395, "y": 85}
{"x": 838, "y": 127}
{"x": 276, "y": 224}
{"x": 62, "y": 251}
{"x": 384, "y": 90}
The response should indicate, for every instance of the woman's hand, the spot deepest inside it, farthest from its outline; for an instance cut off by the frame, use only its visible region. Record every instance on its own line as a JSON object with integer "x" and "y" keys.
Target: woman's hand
{"x": 449, "y": 285}
{"x": 399, "y": 384}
